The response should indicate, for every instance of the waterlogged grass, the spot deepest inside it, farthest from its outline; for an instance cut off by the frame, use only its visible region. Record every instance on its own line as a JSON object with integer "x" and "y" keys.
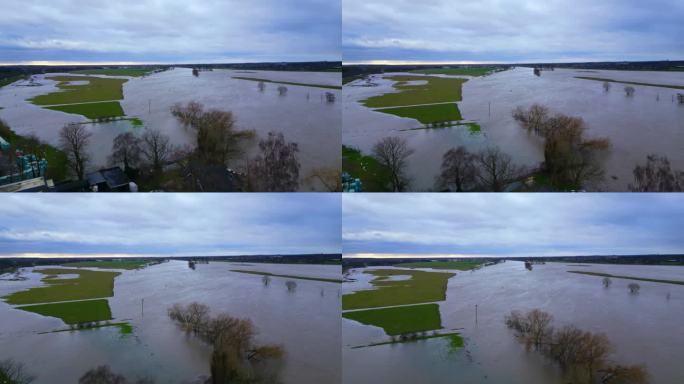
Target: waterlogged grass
{"x": 132, "y": 72}
{"x": 479, "y": 71}
{"x": 136, "y": 122}
{"x": 458, "y": 265}
{"x": 434, "y": 90}
{"x": 374, "y": 176}
{"x": 420, "y": 288}
{"x": 678, "y": 282}
{"x": 96, "y": 89}
{"x": 289, "y": 83}
{"x": 426, "y": 114}
{"x": 92, "y": 110}
{"x": 455, "y": 340}
{"x": 89, "y": 285}
{"x": 109, "y": 264}
{"x": 288, "y": 276}
{"x": 73, "y": 312}
{"x": 630, "y": 82}
{"x": 400, "y": 320}
{"x": 124, "y": 328}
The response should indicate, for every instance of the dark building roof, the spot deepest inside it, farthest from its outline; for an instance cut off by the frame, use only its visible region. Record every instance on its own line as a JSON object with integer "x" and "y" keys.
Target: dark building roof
{"x": 111, "y": 178}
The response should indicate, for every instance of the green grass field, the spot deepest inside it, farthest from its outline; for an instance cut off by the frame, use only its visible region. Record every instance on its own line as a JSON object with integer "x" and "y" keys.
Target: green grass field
{"x": 74, "y": 312}
{"x": 97, "y": 89}
{"x": 92, "y": 110}
{"x": 289, "y": 83}
{"x": 288, "y": 276}
{"x": 132, "y": 72}
{"x": 678, "y": 282}
{"x": 89, "y": 285}
{"x": 374, "y": 176}
{"x": 436, "y": 90}
{"x": 427, "y": 114}
{"x": 630, "y": 82}
{"x": 479, "y": 71}
{"x": 108, "y": 264}
{"x": 458, "y": 265}
{"x": 420, "y": 288}
{"x": 400, "y": 320}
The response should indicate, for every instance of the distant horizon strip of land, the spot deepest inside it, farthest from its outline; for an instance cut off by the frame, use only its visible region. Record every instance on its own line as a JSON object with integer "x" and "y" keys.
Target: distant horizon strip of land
{"x": 599, "y": 274}
{"x": 289, "y": 82}
{"x": 630, "y": 82}
{"x": 327, "y": 280}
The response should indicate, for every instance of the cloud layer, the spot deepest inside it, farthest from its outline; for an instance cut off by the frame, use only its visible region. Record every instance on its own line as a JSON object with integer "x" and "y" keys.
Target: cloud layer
{"x": 170, "y": 31}
{"x": 174, "y": 224}
{"x": 512, "y": 225}
{"x": 512, "y": 30}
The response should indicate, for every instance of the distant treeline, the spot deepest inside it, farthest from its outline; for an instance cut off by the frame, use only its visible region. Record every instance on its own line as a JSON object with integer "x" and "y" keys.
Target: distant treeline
{"x": 12, "y": 73}
{"x": 11, "y": 264}
{"x": 312, "y": 66}
{"x": 352, "y": 72}
{"x": 615, "y": 259}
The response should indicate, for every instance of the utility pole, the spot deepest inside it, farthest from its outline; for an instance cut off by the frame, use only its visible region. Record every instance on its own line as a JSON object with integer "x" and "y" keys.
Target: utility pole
{"x": 475, "y": 313}
{"x": 490, "y": 110}
{"x": 149, "y": 106}
{"x": 142, "y": 308}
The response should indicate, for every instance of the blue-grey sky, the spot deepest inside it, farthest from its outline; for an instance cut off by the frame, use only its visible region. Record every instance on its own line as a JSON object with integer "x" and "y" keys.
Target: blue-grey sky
{"x": 377, "y": 225}
{"x": 512, "y": 30}
{"x": 169, "y": 224}
{"x": 169, "y": 31}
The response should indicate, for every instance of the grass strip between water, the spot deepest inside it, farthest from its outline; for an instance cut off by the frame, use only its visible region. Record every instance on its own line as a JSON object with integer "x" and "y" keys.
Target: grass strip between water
{"x": 426, "y": 114}
{"x": 630, "y": 82}
{"x": 456, "y": 341}
{"x": 477, "y": 71}
{"x": 421, "y": 287}
{"x": 73, "y": 312}
{"x": 92, "y": 110}
{"x": 108, "y": 264}
{"x": 132, "y": 72}
{"x": 124, "y": 328}
{"x": 289, "y": 83}
{"x": 288, "y": 276}
{"x": 95, "y": 89}
{"x": 432, "y": 90}
{"x": 400, "y": 320}
{"x": 678, "y": 282}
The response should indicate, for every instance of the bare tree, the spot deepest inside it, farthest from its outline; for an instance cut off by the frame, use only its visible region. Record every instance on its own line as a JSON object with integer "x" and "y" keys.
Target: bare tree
{"x": 104, "y": 375}
{"x": 156, "y": 147}
{"x": 291, "y": 285}
{"x": 191, "y": 317}
{"x": 330, "y": 178}
{"x": 496, "y": 169}
{"x": 634, "y": 288}
{"x": 218, "y": 139}
{"x": 606, "y": 86}
{"x": 534, "y": 119}
{"x": 276, "y": 167}
{"x": 126, "y": 150}
{"x": 74, "y": 140}
{"x": 533, "y": 328}
{"x": 657, "y": 176}
{"x": 607, "y": 282}
{"x": 393, "y": 152}
{"x": 266, "y": 280}
{"x": 624, "y": 374}
{"x": 459, "y": 170}
{"x": 282, "y": 90}
{"x": 594, "y": 349}
{"x": 12, "y": 372}
{"x": 629, "y": 91}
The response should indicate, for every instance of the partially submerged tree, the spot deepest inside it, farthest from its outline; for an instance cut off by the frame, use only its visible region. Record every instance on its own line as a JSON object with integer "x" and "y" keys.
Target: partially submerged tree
{"x": 126, "y": 150}
{"x": 12, "y": 372}
{"x": 629, "y": 91}
{"x": 533, "y": 328}
{"x": 217, "y": 137}
{"x": 266, "y": 280}
{"x": 282, "y": 90}
{"x": 393, "y": 152}
{"x": 624, "y": 374}
{"x": 104, "y": 375}
{"x": 607, "y": 282}
{"x": 657, "y": 176}
{"x": 156, "y": 147}
{"x": 74, "y": 139}
{"x": 276, "y": 167}
{"x": 496, "y": 169}
{"x": 261, "y": 86}
{"x": 329, "y": 177}
{"x": 459, "y": 170}
{"x": 634, "y": 288}
{"x": 291, "y": 285}
{"x": 606, "y": 86}
{"x": 570, "y": 159}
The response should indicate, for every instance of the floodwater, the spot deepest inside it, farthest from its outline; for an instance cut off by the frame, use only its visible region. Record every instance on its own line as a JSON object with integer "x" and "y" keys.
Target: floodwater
{"x": 644, "y": 328}
{"x": 649, "y": 122}
{"x": 306, "y": 322}
{"x": 302, "y": 115}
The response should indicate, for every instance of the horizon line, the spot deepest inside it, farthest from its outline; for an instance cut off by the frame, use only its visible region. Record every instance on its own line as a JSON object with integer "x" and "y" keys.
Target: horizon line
{"x": 58, "y": 63}
{"x": 491, "y": 62}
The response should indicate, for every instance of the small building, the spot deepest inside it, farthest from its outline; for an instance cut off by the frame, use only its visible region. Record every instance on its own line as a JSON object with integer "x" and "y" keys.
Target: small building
{"x": 109, "y": 180}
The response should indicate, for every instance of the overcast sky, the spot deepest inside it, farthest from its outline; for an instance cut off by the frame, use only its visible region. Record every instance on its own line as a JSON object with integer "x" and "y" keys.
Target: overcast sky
{"x": 511, "y": 224}
{"x": 168, "y": 224}
{"x": 512, "y": 30}
{"x": 169, "y": 31}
